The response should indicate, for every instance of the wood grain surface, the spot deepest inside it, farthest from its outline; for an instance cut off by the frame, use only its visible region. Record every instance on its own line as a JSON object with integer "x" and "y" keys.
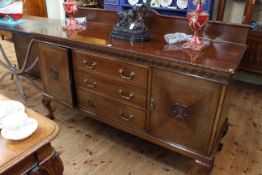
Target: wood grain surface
{"x": 35, "y": 8}
{"x": 90, "y": 147}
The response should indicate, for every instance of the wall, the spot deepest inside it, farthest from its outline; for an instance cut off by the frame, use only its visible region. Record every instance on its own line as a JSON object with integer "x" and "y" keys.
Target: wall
{"x": 234, "y": 11}
{"x": 257, "y": 15}
{"x": 55, "y": 9}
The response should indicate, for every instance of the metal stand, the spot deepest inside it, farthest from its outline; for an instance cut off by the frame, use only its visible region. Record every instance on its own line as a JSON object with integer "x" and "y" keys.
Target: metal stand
{"x": 16, "y": 73}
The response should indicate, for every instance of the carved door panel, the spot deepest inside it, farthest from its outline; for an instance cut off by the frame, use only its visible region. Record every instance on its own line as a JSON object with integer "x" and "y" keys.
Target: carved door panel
{"x": 184, "y": 110}
{"x": 55, "y": 71}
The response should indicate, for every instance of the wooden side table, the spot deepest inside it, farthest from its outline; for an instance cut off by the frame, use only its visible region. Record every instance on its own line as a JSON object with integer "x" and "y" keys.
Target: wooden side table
{"x": 34, "y": 155}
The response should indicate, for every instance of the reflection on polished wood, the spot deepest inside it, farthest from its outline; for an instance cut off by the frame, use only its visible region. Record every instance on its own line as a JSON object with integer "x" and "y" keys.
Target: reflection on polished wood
{"x": 97, "y": 33}
{"x": 90, "y": 147}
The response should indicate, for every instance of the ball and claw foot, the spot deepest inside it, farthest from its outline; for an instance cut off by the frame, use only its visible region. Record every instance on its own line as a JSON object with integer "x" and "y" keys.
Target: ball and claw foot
{"x": 207, "y": 165}
{"x": 47, "y": 104}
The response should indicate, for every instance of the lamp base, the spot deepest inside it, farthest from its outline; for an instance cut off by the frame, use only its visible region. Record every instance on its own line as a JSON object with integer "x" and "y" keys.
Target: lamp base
{"x": 129, "y": 35}
{"x": 197, "y": 47}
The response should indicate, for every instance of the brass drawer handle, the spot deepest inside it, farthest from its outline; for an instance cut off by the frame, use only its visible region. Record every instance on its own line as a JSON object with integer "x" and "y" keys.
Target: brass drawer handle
{"x": 124, "y": 117}
{"x": 121, "y": 71}
{"x": 125, "y": 95}
{"x": 90, "y": 84}
{"x": 93, "y": 65}
{"x": 91, "y": 102}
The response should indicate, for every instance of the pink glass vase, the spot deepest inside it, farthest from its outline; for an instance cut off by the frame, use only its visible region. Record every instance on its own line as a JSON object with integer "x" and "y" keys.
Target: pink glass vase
{"x": 71, "y": 7}
{"x": 197, "y": 21}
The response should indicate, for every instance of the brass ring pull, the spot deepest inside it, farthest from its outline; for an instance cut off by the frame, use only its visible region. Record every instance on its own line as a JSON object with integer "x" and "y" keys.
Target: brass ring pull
{"x": 91, "y": 103}
{"x": 93, "y": 65}
{"x": 90, "y": 84}
{"x": 121, "y": 71}
{"x": 125, "y": 95}
{"x": 124, "y": 117}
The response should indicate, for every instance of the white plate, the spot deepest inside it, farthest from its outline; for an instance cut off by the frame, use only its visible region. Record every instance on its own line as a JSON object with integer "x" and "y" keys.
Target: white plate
{"x": 27, "y": 131}
{"x": 165, "y": 3}
{"x": 9, "y": 106}
{"x": 182, "y": 4}
{"x": 133, "y": 2}
{"x": 155, "y": 3}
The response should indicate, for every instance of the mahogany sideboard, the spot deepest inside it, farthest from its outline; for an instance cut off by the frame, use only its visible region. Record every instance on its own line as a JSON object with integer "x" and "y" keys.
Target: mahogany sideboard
{"x": 159, "y": 92}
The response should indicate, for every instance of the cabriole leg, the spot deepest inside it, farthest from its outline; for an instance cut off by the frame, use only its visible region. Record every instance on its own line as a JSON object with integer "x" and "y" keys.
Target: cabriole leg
{"x": 47, "y": 103}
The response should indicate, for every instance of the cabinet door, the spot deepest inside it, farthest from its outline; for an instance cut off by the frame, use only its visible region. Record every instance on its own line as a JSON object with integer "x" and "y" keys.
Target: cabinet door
{"x": 185, "y": 109}
{"x": 55, "y": 72}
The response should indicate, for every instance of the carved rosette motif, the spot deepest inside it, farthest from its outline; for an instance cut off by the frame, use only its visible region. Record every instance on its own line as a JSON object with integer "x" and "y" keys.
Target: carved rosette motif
{"x": 180, "y": 111}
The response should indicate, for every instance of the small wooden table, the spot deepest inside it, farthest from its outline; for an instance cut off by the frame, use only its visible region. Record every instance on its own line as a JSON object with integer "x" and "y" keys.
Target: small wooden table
{"x": 34, "y": 155}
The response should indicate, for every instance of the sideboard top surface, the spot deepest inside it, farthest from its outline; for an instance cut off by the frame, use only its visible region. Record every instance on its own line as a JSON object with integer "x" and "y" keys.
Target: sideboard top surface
{"x": 220, "y": 55}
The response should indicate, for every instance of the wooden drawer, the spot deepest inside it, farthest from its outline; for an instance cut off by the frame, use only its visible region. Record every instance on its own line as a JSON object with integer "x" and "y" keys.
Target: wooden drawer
{"x": 129, "y": 73}
{"x": 113, "y": 110}
{"x": 111, "y": 88}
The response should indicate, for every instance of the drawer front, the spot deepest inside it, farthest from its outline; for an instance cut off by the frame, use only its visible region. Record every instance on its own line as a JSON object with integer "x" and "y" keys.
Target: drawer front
{"x": 128, "y": 73}
{"x": 118, "y": 90}
{"x": 110, "y": 109}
